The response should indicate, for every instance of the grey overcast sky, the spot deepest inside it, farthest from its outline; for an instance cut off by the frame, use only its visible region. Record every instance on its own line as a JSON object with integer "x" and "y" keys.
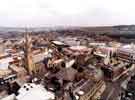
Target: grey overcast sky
{"x": 36, "y": 13}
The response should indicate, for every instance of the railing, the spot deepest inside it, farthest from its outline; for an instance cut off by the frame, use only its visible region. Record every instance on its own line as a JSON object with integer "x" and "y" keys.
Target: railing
{"x": 92, "y": 92}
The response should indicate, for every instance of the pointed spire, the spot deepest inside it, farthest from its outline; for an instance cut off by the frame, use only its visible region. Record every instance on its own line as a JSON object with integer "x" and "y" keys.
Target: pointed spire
{"x": 28, "y": 53}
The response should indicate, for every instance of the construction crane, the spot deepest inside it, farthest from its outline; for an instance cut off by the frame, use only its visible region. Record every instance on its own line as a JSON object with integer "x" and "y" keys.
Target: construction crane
{"x": 28, "y": 54}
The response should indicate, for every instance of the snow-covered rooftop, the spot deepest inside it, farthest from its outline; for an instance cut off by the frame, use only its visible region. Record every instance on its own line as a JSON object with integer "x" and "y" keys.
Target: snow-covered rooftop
{"x": 31, "y": 91}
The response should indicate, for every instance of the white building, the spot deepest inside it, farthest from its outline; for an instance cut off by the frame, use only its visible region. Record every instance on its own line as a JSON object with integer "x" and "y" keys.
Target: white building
{"x": 4, "y": 62}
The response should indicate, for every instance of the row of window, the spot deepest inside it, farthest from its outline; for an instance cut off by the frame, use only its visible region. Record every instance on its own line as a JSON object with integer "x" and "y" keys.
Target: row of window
{"x": 10, "y": 78}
